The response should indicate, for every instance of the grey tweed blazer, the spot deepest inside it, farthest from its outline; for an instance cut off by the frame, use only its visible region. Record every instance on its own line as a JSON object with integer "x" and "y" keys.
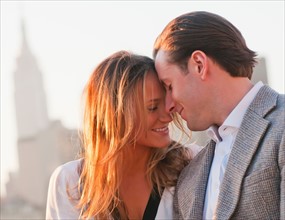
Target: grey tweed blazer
{"x": 254, "y": 180}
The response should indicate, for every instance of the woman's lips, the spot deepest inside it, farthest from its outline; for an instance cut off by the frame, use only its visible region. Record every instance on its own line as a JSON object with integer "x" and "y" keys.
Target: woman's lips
{"x": 163, "y": 130}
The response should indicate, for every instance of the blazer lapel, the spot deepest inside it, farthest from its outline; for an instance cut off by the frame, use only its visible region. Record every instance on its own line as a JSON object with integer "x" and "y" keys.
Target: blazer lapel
{"x": 250, "y": 133}
{"x": 191, "y": 192}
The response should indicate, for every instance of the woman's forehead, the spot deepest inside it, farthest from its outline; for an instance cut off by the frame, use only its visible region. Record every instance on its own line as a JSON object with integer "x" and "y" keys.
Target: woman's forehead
{"x": 153, "y": 88}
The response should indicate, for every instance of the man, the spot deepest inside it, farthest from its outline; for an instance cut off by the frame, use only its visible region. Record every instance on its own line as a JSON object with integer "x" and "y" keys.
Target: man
{"x": 206, "y": 67}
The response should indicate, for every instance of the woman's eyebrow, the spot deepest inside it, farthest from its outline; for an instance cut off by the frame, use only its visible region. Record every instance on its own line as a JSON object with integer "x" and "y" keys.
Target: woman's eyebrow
{"x": 154, "y": 100}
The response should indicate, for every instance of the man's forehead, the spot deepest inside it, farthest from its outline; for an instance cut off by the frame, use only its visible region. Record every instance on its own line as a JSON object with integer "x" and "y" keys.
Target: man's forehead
{"x": 161, "y": 56}
{"x": 161, "y": 63}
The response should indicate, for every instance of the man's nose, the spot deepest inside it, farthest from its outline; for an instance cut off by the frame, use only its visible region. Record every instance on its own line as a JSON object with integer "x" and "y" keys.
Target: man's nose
{"x": 169, "y": 103}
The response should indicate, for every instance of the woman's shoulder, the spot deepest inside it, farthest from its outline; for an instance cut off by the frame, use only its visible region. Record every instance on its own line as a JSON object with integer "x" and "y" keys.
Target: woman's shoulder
{"x": 68, "y": 172}
{"x": 191, "y": 148}
{"x": 194, "y": 148}
{"x": 63, "y": 192}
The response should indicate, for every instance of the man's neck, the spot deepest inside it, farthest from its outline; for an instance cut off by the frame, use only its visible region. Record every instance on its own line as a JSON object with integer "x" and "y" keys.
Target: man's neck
{"x": 230, "y": 95}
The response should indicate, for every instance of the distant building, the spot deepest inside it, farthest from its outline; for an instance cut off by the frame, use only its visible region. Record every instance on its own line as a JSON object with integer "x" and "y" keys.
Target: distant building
{"x": 260, "y": 72}
{"x": 42, "y": 144}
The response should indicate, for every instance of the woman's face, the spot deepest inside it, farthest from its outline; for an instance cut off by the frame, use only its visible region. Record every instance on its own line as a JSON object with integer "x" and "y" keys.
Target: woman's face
{"x": 156, "y": 133}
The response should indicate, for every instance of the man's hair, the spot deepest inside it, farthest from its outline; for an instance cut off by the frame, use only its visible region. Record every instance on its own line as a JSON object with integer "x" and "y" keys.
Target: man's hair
{"x": 210, "y": 33}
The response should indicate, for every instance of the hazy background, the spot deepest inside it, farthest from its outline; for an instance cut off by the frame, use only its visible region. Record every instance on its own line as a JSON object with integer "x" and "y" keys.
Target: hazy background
{"x": 69, "y": 38}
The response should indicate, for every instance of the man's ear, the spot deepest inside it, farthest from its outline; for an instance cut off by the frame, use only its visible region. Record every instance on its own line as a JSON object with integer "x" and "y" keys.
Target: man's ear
{"x": 198, "y": 64}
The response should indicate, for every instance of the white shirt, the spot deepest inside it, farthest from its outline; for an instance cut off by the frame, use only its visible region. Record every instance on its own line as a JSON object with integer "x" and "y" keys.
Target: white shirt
{"x": 224, "y": 136}
{"x": 60, "y": 206}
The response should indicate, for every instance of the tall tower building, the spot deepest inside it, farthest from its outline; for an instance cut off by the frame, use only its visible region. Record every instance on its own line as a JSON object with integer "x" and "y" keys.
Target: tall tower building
{"x": 30, "y": 98}
{"x": 43, "y": 144}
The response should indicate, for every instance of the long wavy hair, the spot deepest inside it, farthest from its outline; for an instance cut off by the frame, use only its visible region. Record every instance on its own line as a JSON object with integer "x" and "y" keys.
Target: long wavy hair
{"x": 113, "y": 101}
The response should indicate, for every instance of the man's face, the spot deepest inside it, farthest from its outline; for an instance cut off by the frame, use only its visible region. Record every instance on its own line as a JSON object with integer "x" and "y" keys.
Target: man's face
{"x": 184, "y": 92}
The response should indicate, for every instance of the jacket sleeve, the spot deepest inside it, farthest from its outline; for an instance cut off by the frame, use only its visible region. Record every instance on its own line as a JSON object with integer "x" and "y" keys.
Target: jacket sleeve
{"x": 282, "y": 172}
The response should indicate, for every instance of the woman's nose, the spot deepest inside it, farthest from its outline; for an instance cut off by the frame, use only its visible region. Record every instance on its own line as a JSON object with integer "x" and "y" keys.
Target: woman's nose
{"x": 165, "y": 116}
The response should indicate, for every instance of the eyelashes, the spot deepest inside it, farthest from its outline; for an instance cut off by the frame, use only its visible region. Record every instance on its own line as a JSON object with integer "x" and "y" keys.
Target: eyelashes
{"x": 152, "y": 109}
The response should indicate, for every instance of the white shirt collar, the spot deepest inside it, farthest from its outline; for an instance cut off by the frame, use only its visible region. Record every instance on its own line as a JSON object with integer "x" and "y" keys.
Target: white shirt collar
{"x": 234, "y": 119}
{"x": 213, "y": 133}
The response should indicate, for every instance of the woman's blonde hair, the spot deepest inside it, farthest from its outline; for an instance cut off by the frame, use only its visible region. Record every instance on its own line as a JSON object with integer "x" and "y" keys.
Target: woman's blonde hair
{"x": 113, "y": 102}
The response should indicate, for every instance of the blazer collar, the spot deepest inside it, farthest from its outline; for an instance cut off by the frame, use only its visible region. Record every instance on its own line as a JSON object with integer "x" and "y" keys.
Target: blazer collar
{"x": 252, "y": 130}
{"x": 264, "y": 102}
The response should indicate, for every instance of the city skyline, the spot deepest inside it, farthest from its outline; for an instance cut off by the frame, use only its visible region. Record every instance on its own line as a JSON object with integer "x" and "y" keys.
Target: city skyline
{"x": 69, "y": 47}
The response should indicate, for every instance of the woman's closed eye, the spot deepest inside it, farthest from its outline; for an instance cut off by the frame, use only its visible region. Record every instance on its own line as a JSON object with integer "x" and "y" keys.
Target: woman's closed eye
{"x": 152, "y": 108}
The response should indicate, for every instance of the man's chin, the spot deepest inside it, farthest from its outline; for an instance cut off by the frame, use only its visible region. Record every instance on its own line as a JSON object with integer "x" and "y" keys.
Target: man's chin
{"x": 192, "y": 127}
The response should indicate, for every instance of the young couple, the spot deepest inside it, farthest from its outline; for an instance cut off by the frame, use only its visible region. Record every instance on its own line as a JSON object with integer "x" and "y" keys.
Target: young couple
{"x": 131, "y": 169}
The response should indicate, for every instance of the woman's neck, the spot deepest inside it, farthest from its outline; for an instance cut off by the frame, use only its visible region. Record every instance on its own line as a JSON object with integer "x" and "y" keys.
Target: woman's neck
{"x": 135, "y": 188}
{"x": 135, "y": 161}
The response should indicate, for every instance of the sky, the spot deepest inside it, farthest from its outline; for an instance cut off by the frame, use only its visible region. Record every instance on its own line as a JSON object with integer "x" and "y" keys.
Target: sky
{"x": 69, "y": 38}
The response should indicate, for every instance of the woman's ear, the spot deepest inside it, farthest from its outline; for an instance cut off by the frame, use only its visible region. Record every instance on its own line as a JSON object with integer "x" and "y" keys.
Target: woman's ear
{"x": 198, "y": 64}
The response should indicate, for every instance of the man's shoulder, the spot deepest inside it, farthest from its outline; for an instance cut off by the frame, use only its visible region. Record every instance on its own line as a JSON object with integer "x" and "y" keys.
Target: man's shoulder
{"x": 268, "y": 102}
{"x": 266, "y": 91}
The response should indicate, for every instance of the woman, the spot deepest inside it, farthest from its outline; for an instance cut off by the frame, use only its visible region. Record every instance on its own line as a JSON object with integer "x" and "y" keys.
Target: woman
{"x": 129, "y": 163}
